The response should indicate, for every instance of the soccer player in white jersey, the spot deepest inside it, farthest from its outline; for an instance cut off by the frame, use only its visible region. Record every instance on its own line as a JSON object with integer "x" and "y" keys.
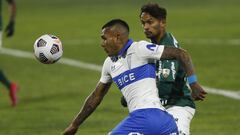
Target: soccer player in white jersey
{"x": 128, "y": 66}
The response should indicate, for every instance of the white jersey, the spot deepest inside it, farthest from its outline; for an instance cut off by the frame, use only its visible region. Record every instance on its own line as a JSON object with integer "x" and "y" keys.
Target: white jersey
{"x": 133, "y": 71}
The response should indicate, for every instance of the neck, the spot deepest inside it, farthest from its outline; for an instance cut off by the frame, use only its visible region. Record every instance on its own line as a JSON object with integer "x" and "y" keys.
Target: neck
{"x": 158, "y": 38}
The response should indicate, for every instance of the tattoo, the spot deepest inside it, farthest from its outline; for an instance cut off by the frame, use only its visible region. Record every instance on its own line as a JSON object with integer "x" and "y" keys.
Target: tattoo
{"x": 181, "y": 55}
{"x": 91, "y": 103}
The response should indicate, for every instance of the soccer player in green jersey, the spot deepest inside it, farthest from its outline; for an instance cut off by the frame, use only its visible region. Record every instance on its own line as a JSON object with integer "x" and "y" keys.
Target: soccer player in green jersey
{"x": 174, "y": 93}
{"x": 12, "y": 87}
{"x": 171, "y": 77}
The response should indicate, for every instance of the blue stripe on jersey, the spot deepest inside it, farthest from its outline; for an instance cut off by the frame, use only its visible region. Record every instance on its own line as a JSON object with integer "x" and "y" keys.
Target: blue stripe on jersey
{"x": 135, "y": 74}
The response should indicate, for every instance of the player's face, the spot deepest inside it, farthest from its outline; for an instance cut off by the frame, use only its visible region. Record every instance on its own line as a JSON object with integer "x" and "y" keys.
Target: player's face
{"x": 151, "y": 25}
{"x": 109, "y": 41}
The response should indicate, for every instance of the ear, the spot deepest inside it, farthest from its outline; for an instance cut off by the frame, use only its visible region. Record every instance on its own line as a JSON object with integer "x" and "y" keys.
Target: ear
{"x": 118, "y": 36}
{"x": 163, "y": 22}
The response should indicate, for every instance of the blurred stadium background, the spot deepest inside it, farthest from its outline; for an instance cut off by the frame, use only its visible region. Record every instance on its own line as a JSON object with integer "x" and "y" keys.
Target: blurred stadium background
{"x": 51, "y": 95}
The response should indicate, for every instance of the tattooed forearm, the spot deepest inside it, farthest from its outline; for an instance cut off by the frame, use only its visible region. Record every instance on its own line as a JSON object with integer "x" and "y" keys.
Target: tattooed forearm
{"x": 181, "y": 55}
{"x": 91, "y": 103}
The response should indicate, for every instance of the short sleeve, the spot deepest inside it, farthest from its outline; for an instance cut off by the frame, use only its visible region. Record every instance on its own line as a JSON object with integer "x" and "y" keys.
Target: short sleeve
{"x": 149, "y": 50}
{"x": 105, "y": 75}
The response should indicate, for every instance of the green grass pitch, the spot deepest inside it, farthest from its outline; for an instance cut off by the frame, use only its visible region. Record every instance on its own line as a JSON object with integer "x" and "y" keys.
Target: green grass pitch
{"x": 51, "y": 95}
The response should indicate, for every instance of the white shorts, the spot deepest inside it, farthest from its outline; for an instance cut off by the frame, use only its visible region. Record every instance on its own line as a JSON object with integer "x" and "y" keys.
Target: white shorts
{"x": 183, "y": 117}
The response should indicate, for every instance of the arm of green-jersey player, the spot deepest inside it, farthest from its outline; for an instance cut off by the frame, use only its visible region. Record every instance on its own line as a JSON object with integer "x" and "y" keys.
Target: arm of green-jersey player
{"x": 181, "y": 55}
{"x": 12, "y": 9}
{"x": 91, "y": 103}
{"x": 198, "y": 93}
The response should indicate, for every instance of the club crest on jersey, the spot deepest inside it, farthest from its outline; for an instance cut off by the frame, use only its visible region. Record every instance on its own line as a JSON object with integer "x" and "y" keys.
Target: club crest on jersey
{"x": 165, "y": 72}
{"x": 151, "y": 47}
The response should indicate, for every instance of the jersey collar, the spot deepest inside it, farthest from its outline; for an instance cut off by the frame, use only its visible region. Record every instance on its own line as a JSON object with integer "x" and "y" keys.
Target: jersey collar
{"x": 122, "y": 51}
{"x": 161, "y": 40}
{"x": 125, "y": 48}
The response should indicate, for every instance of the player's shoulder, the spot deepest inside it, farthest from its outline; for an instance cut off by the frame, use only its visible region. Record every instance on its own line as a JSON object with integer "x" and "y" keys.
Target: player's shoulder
{"x": 143, "y": 42}
{"x": 172, "y": 40}
{"x": 107, "y": 64}
{"x": 145, "y": 45}
{"x": 140, "y": 44}
{"x": 107, "y": 60}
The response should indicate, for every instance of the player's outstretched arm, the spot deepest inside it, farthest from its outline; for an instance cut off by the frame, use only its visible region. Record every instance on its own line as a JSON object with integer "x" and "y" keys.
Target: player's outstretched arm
{"x": 91, "y": 103}
{"x": 198, "y": 93}
{"x": 181, "y": 55}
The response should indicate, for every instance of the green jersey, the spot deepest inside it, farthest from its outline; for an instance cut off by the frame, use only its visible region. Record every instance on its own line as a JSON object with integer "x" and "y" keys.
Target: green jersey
{"x": 171, "y": 79}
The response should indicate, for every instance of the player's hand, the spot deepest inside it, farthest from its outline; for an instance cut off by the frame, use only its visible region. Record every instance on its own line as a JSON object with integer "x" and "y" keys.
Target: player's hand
{"x": 71, "y": 130}
{"x": 123, "y": 102}
{"x": 10, "y": 29}
{"x": 198, "y": 93}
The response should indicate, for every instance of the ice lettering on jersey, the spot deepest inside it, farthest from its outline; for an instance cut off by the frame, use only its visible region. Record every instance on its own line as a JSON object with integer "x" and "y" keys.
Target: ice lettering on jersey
{"x": 126, "y": 78}
{"x": 151, "y": 47}
{"x": 130, "y": 76}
